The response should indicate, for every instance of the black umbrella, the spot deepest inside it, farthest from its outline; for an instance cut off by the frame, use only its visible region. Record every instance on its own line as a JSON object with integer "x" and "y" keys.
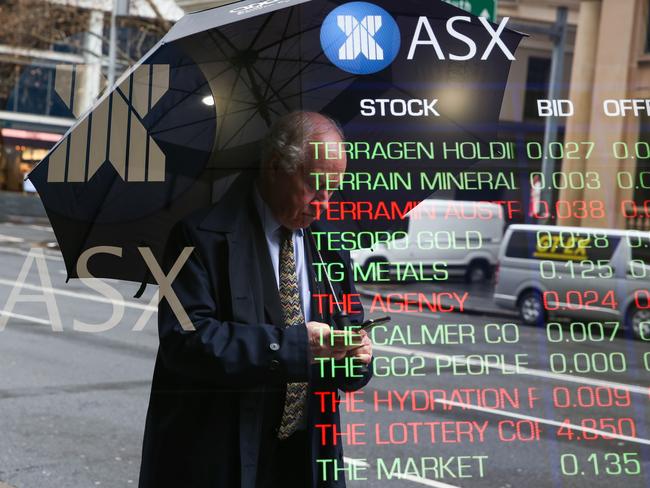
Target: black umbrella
{"x": 193, "y": 110}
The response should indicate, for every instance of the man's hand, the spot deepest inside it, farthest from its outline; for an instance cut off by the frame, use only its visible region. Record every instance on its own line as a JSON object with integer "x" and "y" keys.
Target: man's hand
{"x": 324, "y": 342}
{"x": 364, "y": 351}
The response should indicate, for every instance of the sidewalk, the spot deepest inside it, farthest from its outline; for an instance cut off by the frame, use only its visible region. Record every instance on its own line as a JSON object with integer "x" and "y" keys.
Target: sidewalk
{"x": 479, "y": 300}
{"x": 22, "y": 208}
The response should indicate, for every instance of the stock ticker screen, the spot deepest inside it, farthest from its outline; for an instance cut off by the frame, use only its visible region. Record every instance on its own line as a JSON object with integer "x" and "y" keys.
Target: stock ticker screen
{"x": 518, "y": 348}
{"x": 492, "y": 221}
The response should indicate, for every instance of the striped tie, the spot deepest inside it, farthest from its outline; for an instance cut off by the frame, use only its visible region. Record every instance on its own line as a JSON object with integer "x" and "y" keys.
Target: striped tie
{"x": 296, "y": 398}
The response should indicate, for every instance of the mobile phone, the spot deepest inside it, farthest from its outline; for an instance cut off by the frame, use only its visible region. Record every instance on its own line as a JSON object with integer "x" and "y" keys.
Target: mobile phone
{"x": 370, "y": 323}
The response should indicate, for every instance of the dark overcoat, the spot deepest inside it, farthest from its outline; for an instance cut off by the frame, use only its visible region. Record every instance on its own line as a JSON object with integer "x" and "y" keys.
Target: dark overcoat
{"x": 215, "y": 388}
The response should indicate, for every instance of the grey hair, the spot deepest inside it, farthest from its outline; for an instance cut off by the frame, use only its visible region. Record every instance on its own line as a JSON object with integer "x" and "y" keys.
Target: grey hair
{"x": 289, "y": 136}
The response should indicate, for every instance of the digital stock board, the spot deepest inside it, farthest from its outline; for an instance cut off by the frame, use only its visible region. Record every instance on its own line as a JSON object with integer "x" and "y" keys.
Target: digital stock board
{"x": 317, "y": 243}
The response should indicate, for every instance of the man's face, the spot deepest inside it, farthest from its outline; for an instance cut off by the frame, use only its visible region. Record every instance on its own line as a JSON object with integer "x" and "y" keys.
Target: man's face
{"x": 295, "y": 193}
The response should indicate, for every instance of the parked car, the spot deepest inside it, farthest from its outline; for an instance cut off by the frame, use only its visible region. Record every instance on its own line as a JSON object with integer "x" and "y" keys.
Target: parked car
{"x": 577, "y": 272}
{"x": 461, "y": 236}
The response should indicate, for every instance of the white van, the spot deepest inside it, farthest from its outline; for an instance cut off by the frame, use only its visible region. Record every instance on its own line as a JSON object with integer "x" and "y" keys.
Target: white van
{"x": 462, "y": 237}
{"x": 583, "y": 273}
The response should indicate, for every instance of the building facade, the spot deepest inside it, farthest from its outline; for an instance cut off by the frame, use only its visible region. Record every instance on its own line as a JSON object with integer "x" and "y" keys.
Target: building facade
{"x": 603, "y": 159}
{"x": 607, "y": 57}
{"x": 33, "y": 114}
{"x": 612, "y": 62}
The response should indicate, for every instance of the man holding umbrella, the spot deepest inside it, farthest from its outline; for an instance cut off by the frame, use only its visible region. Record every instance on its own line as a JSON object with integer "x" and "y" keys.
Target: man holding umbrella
{"x": 233, "y": 401}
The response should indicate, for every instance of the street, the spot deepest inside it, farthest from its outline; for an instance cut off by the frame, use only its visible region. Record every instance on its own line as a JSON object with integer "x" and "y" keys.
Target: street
{"x": 527, "y": 411}
{"x": 516, "y": 458}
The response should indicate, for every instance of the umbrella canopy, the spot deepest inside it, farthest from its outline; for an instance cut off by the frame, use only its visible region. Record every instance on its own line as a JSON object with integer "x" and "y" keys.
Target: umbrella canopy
{"x": 192, "y": 112}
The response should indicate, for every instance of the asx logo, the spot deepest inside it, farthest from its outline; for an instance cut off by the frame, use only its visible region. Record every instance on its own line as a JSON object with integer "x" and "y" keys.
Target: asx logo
{"x": 362, "y": 38}
{"x": 113, "y": 132}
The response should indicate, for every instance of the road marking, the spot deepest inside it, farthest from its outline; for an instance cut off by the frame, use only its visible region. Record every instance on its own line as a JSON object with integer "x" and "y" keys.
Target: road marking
{"x": 20, "y": 252}
{"x": 541, "y": 420}
{"x": 6, "y": 238}
{"x": 37, "y": 391}
{"x": 504, "y": 413}
{"x": 47, "y": 228}
{"x": 29, "y": 318}
{"x": 408, "y": 477}
{"x": 82, "y": 296}
{"x": 419, "y": 315}
{"x": 105, "y": 280}
{"x": 641, "y": 390}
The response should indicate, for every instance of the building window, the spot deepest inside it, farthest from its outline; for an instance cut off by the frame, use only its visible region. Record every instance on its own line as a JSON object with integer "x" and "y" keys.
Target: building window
{"x": 647, "y": 34}
{"x": 539, "y": 73}
{"x": 30, "y": 89}
{"x": 641, "y": 192}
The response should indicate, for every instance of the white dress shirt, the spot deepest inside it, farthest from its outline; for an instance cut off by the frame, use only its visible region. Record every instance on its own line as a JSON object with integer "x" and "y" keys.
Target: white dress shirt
{"x": 271, "y": 229}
